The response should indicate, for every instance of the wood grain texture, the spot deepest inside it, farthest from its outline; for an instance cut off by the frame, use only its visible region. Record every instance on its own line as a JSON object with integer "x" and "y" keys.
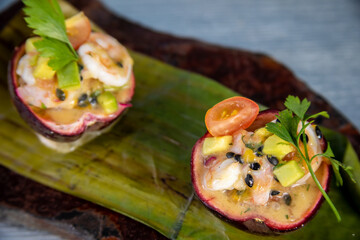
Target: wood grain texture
{"x": 260, "y": 76}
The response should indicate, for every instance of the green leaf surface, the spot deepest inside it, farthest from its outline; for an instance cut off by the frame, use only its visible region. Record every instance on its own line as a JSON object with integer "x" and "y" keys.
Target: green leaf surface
{"x": 298, "y": 107}
{"x": 46, "y": 17}
{"x": 141, "y": 168}
{"x": 51, "y": 48}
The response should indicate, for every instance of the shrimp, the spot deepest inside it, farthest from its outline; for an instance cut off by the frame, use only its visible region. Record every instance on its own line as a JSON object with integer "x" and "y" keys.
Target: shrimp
{"x": 25, "y": 70}
{"x": 238, "y": 145}
{"x": 40, "y": 97}
{"x": 43, "y": 93}
{"x": 263, "y": 180}
{"x": 106, "y": 60}
{"x": 223, "y": 175}
{"x": 313, "y": 149}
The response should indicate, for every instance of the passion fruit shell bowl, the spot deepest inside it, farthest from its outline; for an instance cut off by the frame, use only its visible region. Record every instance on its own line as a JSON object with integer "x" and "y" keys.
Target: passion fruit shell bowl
{"x": 64, "y": 137}
{"x": 253, "y": 221}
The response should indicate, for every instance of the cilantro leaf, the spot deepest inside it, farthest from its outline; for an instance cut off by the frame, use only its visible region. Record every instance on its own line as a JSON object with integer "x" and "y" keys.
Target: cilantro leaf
{"x": 280, "y": 131}
{"x": 323, "y": 113}
{"x": 297, "y": 107}
{"x": 288, "y": 129}
{"x": 336, "y": 167}
{"x": 328, "y": 153}
{"x": 46, "y": 18}
{"x": 289, "y": 122}
{"x": 58, "y": 52}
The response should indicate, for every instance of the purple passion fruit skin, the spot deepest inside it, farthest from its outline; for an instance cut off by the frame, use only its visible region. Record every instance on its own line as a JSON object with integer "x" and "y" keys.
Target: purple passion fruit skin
{"x": 61, "y": 133}
{"x": 253, "y": 221}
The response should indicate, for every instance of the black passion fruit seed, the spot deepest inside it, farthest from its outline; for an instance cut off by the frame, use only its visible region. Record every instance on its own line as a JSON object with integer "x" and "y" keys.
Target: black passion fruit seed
{"x": 318, "y": 132}
{"x": 80, "y": 69}
{"x": 274, "y": 192}
{"x": 287, "y": 199}
{"x": 258, "y": 153}
{"x": 230, "y": 154}
{"x": 275, "y": 178}
{"x": 82, "y": 100}
{"x": 93, "y": 97}
{"x": 249, "y": 180}
{"x": 237, "y": 157}
{"x": 255, "y": 166}
{"x": 120, "y": 64}
{"x": 92, "y": 100}
{"x": 60, "y": 94}
{"x": 306, "y": 138}
{"x": 273, "y": 160}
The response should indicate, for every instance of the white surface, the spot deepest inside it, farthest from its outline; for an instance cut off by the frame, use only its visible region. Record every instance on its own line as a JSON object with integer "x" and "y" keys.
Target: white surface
{"x": 318, "y": 40}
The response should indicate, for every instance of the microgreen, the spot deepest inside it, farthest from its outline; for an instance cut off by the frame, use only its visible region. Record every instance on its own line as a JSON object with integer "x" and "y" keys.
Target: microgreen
{"x": 47, "y": 20}
{"x": 291, "y": 125}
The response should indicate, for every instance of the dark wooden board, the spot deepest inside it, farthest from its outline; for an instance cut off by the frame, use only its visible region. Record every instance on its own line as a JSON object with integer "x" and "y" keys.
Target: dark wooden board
{"x": 253, "y": 75}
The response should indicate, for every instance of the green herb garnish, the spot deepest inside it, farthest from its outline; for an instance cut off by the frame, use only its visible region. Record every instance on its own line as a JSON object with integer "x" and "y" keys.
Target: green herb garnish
{"x": 43, "y": 106}
{"x": 287, "y": 129}
{"x": 47, "y": 20}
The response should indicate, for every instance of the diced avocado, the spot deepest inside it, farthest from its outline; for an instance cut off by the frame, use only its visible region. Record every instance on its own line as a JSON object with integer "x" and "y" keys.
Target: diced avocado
{"x": 68, "y": 76}
{"x": 277, "y": 147}
{"x": 108, "y": 102}
{"x": 216, "y": 144}
{"x": 29, "y": 44}
{"x": 262, "y": 133}
{"x": 289, "y": 173}
{"x": 42, "y": 69}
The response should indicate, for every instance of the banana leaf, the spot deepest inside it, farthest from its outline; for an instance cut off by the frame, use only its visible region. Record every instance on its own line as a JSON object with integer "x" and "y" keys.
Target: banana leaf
{"x": 141, "y": 168}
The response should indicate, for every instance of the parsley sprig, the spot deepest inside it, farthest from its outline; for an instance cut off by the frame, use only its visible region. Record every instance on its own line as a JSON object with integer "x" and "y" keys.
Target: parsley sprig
{"x": 287, "y": 129}
{"x": 47, "y": 20}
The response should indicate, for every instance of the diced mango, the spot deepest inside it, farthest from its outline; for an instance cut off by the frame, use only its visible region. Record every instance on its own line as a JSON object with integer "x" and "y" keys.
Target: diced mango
{"x": 262, "y": 133}
{"x": 289, "y": 173}
{"x": 277, "y": 147}
{"x": 248, "y": 156}
{"x": 216, "y": 144}
{"x": 42, "y": 69}
{"x": 29, "y": 44}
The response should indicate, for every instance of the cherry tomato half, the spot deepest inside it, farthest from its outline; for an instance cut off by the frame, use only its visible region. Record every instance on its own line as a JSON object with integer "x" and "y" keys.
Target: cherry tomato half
{"x": 231, "y": 115}
{"x": 78, "y": 29}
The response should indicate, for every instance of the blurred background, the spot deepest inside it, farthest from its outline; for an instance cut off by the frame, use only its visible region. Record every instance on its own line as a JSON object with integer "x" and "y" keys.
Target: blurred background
{"x": 318, "y": 40}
